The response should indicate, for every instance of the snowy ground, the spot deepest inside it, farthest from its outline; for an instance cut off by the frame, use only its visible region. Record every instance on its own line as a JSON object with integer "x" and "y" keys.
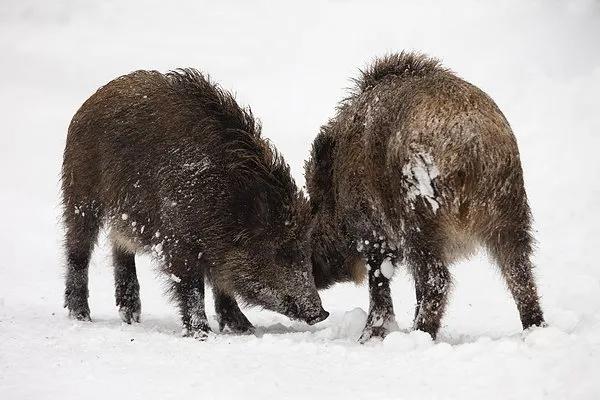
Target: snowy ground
{"x": 539, "y": 61}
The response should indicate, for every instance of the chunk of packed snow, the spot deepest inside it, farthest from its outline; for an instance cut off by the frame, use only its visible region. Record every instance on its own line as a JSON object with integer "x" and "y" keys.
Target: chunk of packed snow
{"x": 351, "y": 325}
{"x": 387, "y": 268}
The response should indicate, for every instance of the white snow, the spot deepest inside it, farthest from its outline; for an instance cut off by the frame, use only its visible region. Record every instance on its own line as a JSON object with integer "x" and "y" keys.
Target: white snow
{"x": 291, "y": 62}
{"x": 407, "y": 342}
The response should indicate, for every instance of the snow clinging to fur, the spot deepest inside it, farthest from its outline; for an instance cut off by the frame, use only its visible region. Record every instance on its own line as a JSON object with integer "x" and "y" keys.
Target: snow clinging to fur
{"x": 387, "y": 268}
{"x": 420, "y": 173}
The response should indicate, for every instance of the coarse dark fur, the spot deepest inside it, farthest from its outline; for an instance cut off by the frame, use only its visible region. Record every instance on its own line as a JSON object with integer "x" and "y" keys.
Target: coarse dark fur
{"x": 173, "y": 166}
{"x": 418, "y": 167}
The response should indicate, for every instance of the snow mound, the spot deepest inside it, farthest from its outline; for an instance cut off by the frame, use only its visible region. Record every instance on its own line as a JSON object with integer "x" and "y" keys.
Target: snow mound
{"x": 405, "y": 342}
{"x": 549, "y": 337}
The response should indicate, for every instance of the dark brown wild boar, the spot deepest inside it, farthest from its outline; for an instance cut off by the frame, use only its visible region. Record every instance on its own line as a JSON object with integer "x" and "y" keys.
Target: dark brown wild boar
{"x": 173, "y": 166}
{"x": 418, "y": 167}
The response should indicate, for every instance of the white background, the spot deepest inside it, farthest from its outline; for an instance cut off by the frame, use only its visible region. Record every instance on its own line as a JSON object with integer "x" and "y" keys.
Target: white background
{"x": 539, "y": 60}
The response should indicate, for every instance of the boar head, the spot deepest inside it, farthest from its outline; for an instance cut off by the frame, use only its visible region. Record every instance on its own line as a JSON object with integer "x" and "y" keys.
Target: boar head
{"x": 270, "y": 256}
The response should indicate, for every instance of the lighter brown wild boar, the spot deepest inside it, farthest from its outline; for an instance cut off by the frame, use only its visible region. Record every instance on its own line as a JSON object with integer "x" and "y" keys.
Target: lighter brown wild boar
{"x": 418, "y": 167}
{"x": 174, "y": 167}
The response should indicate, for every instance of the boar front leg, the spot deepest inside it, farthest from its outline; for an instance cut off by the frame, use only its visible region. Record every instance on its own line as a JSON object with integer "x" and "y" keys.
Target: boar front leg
{"x": 381, "y": 319}
{"x": 189, "y": 293}
{"x": 229, "y": 313}
{"x": 82, "y": 223}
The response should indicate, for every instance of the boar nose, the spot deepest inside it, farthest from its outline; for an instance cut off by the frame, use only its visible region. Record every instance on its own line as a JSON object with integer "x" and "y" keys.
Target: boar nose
{"x": 318, "y": 318}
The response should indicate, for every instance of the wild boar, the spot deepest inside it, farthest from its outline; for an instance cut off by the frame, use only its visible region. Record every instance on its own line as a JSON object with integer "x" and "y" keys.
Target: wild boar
{"x": 172, "y": 166}
{"x": 418, "y": 167}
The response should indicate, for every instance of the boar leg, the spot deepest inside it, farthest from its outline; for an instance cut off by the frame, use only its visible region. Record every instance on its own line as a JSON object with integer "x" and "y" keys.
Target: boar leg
{"x": 419, "y": 296}
{"x": 81, "y": 232}
{"x": 127, "y": 288}
{"x": 512, "y": 251}
{"x": 229, "y": 314}
{"x": 432, "y": 282}
{"x": 189, "y": 293}
{"x": 381, "y": 319}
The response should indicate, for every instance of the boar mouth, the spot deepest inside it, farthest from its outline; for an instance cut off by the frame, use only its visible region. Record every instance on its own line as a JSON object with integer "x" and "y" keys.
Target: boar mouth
{"x": 321, "y": 317}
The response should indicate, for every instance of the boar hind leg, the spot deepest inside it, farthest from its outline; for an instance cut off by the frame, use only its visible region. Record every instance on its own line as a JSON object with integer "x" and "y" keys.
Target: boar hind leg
{"x": 229, "y": 314}
{"x": 81, "y": 233}
{"x": 512, "y": 251}
{"x": 189, "y": 294}
{"x": 127, "y": 288}
{"x": 381, "y": 319}
{"x": 432, "y": 282}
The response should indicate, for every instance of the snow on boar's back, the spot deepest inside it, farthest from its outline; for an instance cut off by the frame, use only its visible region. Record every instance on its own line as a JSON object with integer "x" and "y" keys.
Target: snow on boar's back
{"x": 171, "y": 165}
{"x": 418, "y": 167}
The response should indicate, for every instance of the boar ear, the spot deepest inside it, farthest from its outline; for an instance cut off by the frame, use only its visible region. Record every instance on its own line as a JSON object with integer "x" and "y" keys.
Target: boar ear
{"x": 319, "y": 172}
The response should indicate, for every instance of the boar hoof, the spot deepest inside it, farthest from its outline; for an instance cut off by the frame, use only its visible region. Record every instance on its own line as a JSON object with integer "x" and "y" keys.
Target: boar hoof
{"x": 130, "y": 314}
{"x": 542, "y": 324}
{"x": 198, "y": 334}
{"x": 379, "y": 332}
{"x": 80, "y": 315}
{"x": 240, "y": 325}
{"x": 240, "y": 329}
{"x": 371, "y": 332}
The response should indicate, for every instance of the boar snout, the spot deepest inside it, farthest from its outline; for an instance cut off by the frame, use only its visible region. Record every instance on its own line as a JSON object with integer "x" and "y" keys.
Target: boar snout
{"x": 310, "y": 311}
{"x": 321, "y": 317}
